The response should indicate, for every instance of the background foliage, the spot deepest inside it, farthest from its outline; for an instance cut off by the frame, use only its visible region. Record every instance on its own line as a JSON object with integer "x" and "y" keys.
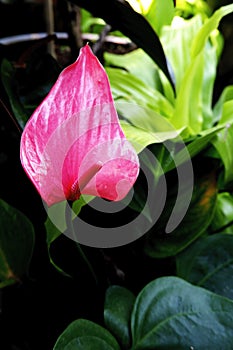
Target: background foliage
{"x": 170, "y": 69}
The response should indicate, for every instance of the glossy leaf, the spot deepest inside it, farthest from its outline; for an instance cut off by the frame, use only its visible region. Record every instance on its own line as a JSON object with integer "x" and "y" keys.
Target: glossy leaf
{"x": 16, "y": 244}
{"x": 208, "y": 263}
{"x": 73, "y": 142}
{"x": 88, "y": 343}
{"x": 170, "y": 313}
{"x": 118, "y": 306}
{"x": 79, "y": 329}
{"x": 122, "y": 17}
{"x": 198, "y": 217}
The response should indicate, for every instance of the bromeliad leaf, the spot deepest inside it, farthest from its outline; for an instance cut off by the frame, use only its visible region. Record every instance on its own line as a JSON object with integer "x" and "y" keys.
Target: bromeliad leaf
{"x": 210, "y": 25}
{"x": 223, "y": 143}
{"x": 131, "y": 89}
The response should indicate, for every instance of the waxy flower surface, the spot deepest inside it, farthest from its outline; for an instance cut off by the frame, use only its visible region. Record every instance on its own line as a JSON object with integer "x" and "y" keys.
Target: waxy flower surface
{"x": 73, "y": 143}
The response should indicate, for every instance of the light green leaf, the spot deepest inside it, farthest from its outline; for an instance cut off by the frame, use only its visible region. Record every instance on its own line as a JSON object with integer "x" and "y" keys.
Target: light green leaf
{"x": 170, "y": 313}
{"x": 224, "y": 144}
{"x": 160, "y": 13}
{"x": 118, "y": 306}
{"x": 209, "y": 264}
{"x": 189, "y": 110}
{"x": 223, "y": 110}
{"x": 143, "y": 126}
{"x": 140, "y": 138}
{"x": 131, "y": 89}
{"x": 137, "y": 63}
{"x": 211, "y": 24}
{"x": 83, "y": 328}
{"x": 176, "y": 40}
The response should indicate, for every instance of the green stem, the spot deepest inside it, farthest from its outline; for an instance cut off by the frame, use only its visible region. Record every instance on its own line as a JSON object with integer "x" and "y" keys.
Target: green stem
{"x": 70, "y": 228}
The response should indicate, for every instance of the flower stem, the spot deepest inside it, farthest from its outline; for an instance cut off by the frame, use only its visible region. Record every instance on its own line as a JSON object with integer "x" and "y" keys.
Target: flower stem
{"x": 70, "y": 228}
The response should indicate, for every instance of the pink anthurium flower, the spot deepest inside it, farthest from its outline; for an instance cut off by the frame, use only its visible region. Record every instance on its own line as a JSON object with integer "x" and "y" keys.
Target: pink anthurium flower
{"x": 73, "y": 143}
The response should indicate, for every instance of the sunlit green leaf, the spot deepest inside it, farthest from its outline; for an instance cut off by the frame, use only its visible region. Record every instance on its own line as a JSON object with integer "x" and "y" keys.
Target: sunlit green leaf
{"x": 131, "y": 89}
{"x": 137, "y": 63}
{"x": 211, "y": 24}
{"x": 224, "y": 143}
{"x": 160, "y": 13}
{"x": 223, "y": 110}
{"x": 177, "y": 40}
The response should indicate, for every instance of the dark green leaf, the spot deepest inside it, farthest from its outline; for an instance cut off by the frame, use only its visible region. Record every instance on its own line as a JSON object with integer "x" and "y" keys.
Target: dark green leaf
{"x": 198, "y": 217}
{"x": 209, "y": 264}
{"x": 8, "y": 76}
{"x": 84, "y": 328}
{"x": 170, "y": 313}
{"x": 26, "y": 87}
{"x": 16, "y": 244}
{"x": 118, "y": 306}
{"x": 88, "y": 343}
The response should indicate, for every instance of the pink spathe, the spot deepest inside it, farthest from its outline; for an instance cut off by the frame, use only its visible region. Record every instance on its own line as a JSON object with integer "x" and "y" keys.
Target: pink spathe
{"x": 73, "y": 143}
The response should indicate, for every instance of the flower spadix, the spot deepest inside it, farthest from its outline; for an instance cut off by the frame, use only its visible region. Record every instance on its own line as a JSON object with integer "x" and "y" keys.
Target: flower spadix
{"x": 73, "y": 143}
